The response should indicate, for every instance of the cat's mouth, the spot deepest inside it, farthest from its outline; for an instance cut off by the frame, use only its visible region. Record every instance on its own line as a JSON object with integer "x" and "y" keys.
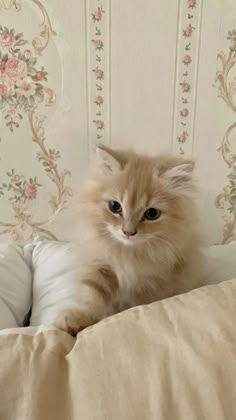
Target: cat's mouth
{"x": 127, "y": 240}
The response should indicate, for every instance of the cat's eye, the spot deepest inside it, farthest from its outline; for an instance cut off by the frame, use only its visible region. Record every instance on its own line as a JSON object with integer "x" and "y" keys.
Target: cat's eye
{"x": 152, "y": 214}
{"x": 115, "y": 207}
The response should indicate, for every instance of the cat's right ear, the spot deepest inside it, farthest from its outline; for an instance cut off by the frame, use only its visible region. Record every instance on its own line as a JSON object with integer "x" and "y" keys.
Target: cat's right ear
{"x": 107, "y": 161}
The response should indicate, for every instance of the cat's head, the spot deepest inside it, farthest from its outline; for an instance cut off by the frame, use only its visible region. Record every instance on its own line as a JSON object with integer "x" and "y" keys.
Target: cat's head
{"x": 134, "y": 199}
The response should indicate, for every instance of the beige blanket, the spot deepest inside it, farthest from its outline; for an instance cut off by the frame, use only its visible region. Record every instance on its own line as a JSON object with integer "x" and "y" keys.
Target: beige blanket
{"x": 172, "y": 360}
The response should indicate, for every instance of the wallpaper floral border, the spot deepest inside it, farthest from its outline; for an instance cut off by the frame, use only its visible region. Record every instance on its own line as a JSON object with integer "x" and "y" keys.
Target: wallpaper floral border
{"x": 98, "y": 56}
{"x": 23, "y": 87}
{"x": 187, "y": 60}
{"x": 226, "y": 85}
{"x": 98, "y": 70}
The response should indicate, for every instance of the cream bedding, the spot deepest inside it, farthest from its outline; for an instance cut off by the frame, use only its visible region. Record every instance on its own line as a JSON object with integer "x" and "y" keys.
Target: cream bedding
{"x": 172, "y": 360}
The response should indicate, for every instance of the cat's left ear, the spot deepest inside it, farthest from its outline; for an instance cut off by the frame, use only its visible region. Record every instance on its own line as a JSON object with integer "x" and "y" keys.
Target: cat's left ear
{"x": 107, "y": 160}
{"x": 179, "y": 174}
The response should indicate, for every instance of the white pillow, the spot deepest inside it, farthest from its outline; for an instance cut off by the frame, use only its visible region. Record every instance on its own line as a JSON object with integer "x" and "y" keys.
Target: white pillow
{"x": 221, "y": 263}
{"x": 15, "y": 286}
{"x": 54, "y": 265}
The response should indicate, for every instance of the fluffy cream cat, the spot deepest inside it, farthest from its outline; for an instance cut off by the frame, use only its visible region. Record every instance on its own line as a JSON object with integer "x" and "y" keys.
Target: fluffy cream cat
{"x": 139, "y": 235}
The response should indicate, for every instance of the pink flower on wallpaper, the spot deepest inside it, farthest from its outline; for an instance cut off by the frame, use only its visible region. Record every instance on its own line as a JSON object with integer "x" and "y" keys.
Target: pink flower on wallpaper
{"x": 184, "y": 112}
{"x": 99, "y": 73}
{"x": 98, "y": 44}
{"x": 16, "y": 179}
{"x": 185, "y": 87}
{"x": 192, "y": 3}
{"x": 7, "y": 39}
{"x": 2, "y": 66}
{"x": 26, "y": 87}
{"x": 15, "y": 68}
{"x": 41, "y": 75}
{"x": 99, "y": 124}
{"x": 30, "y": 190}
{"x": 6, "y": 86}
{"x": 27, "y": 54}
{"x": 187, "y": 59}
{"x": 188, "y": 31}
{"x": 19, "y": 79}
{"x": 183, "y": 137}
{"x": 97, "y": 16}
{"x": 99, "y": 100}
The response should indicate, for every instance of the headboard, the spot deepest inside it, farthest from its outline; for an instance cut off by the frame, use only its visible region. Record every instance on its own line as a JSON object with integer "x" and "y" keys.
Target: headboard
{"x": 154, "y": 74}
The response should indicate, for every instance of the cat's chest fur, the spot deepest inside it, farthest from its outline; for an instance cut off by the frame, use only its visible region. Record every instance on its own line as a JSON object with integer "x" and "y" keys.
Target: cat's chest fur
{"x": 140, "y": 278}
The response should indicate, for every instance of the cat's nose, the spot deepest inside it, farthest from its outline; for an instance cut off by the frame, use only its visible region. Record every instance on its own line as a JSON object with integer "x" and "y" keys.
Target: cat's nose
{"x": 128, "y": 233}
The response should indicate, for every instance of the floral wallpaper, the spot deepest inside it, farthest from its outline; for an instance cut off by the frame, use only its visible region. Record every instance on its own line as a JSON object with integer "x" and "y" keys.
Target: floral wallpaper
{"x": 226, "y": 85}
{"x": 23, "y": 87}
{"x": 73, "y": 74}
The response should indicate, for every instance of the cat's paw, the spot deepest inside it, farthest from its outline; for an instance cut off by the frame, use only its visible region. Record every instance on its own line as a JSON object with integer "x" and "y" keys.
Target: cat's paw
{"x": 74, "y": 320}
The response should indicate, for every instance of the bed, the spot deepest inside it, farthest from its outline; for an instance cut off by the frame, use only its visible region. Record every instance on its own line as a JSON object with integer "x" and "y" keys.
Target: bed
{"x": 174, "y": 359}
